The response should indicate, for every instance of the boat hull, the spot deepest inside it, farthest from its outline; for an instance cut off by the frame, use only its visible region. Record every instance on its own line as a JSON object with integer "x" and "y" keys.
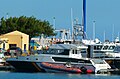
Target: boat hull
{"x": 26, "y": 66}
{"x": 23, "y": 66}
{"x": 113, "y": 62}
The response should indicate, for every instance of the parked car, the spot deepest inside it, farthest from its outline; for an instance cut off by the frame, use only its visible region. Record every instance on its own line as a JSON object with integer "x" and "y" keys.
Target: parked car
{"x": 15, "y": 51}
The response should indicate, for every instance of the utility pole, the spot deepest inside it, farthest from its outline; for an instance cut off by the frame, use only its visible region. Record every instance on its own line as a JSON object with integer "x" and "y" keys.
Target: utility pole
{"x": 54, "y": 25}
{"x": 93, "y": 30}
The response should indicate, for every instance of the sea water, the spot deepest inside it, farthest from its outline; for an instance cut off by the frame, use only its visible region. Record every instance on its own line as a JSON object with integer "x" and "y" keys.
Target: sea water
{"x": 20, "y": 75}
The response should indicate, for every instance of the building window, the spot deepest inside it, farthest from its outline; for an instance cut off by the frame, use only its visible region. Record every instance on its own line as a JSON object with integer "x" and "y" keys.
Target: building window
{"x": 12, "y": 45}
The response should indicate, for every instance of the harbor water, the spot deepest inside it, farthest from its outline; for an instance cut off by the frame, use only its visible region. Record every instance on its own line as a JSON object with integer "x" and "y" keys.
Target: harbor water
{"x": 20, "y": 75}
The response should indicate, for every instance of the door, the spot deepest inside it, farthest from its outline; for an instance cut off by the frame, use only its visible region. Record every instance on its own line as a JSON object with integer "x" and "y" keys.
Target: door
{"x": 24, "y": 47}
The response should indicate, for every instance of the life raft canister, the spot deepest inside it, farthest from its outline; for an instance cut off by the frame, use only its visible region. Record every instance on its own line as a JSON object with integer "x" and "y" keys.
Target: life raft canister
{"x": 85, "y": 70}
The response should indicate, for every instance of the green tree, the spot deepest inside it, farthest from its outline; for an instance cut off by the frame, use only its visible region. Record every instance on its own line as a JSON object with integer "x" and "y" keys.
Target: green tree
{"x": 29, "y": 25}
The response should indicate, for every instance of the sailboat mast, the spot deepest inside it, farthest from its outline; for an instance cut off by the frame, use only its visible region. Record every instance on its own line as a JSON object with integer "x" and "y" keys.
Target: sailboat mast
{"x": 84, "y": 18}
{"x": 72, "y": 24}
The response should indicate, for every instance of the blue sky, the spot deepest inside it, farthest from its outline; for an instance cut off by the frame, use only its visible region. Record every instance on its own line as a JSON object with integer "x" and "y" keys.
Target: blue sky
{"x": 106, "y": 13}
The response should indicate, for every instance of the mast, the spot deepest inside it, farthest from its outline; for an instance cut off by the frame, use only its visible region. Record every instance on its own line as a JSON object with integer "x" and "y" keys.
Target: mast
{"x": 7, "y": 15}
{"x": 113, "y": 33}
{"x": 84, "y": 18}
{"x": 72, "y": 24}
{"x": 54, "y": 25}
{"x": 118, "y": 34}
{"x": 93, "y": 30}
{"x": 104, "y": 36}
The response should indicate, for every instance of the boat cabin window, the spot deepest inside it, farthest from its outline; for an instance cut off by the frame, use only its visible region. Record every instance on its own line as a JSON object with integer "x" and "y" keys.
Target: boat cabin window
{"x": 117, "y": 49}
{"x": 62, "y": 59}
{"x": 105, "y": 47}
{"x": 111, "y": 47}
{"x": 83, "y": 51}
{"x": 66, "y": 52}
{"x": 72, "y": 51}
{"x": 58, "y": 51}
{"x": 98, "y": 61}
{"x": 98, "y": 47}
{"x": 75, "y": 51}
